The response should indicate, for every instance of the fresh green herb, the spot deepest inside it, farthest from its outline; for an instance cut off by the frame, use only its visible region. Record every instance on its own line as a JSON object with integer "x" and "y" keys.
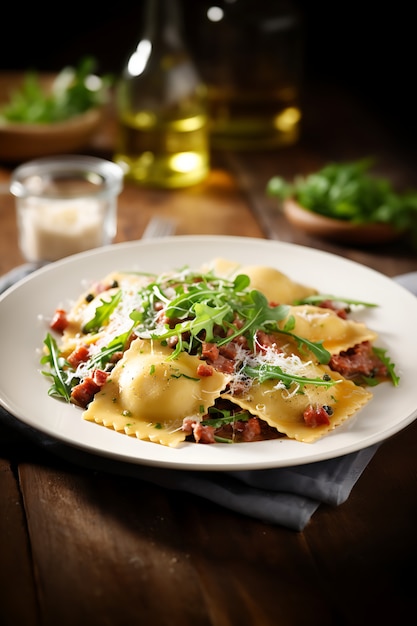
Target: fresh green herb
{"x": 178, "y": 374}
{"x": 214, "y": 304}
{"x": 101, "y": 358}
{"x": 62, "y": 377}
{"x": 207, "y": 308}
{"x": 221, "y": 417}
{"x": 383, "y": 355}
{"x": 74, "y": 91}
{"x": 317, "y": 298}
{"x": 102, "y": 313}
{"x": 274, "y": 372}
{"x": 348, "y": 191}
{"x": 258, "y": 315}
{"x": 316, "y": 347}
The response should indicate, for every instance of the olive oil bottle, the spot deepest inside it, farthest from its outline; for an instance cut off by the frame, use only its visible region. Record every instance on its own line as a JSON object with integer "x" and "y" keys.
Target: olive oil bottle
{"x": 163, "y": 135}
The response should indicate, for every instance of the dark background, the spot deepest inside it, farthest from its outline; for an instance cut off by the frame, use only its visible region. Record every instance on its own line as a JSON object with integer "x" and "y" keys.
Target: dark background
{"x": 366, "y": 47}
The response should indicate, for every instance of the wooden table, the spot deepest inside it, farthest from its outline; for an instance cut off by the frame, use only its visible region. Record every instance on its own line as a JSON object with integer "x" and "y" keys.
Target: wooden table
{"x": 78, "y": 546}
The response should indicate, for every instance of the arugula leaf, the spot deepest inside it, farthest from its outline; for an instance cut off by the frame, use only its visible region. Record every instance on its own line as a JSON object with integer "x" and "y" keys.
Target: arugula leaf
{"x": 103, "y": 357}
{"x": 74, "y": 91}
{"x": 102, "y": 313}
{"x": 63, "y": 381}
{"x": 206, "y": 317}
{"x": 383, "y": 355}
{"x": 322, "y": 355}
{"x": 317, "y": 298}
{"x": 348, "y": 191}
{"x": 259, "y": 315}
{"x": 221, "y": 417}
{"x": 271, "y": 372}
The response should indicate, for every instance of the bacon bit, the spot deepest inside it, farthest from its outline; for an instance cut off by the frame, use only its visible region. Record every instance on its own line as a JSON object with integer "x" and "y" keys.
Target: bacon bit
{"x": 316, "y": 416}
{"x": 201, "y": 433}
{"x": 265, "y": 341}
{"x": 359, "y": 360}
{"x": 329, "y": 304}
{"x": 204, "y": 370}
{"x": 222, "y": 364}
{"x": 251, "y": 429}
{"x": 79, "y": 355}
{"x": 221, "y": 359}
{"x": 209, "y": 351}
{"x": 187, "y": 425}
{"x": 59, "y": 321}
{"x": 100, "y": 377}
{"x": 83, "y": 393}
{"x": 229, "y": 350}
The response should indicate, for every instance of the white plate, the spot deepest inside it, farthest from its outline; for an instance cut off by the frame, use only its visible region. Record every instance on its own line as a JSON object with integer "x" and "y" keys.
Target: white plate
{"x": 23, "y": 390}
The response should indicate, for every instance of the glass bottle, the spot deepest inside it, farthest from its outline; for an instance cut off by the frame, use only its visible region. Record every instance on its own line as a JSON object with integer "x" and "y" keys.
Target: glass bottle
{"x": 163, "y": 136}
{"x": 250, "y": 58}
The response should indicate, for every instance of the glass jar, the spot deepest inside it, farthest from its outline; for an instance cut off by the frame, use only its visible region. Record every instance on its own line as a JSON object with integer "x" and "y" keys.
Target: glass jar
{"x": 65, "y": 204}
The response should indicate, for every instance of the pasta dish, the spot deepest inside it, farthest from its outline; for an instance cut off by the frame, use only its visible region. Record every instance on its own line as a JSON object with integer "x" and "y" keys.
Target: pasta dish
{"x": 220, "y": 354}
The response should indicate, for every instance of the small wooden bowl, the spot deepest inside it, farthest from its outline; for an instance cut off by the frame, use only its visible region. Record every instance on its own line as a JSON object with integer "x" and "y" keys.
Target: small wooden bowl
{"x": 338, "y": 230}
{"x": 21, "y": 142}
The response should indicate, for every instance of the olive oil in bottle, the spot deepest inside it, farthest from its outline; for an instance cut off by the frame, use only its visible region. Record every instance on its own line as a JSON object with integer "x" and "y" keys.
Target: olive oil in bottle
{"x": 163, "y": 136}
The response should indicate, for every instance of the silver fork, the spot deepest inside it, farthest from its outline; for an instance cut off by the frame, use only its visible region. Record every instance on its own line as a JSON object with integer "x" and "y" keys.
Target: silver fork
{"x": 159, "y": 227}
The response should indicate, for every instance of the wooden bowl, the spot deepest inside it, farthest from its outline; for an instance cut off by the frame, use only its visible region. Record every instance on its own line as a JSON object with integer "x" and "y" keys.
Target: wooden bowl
{"x": 21, "y": 142}
{"x": 338, "y": 230}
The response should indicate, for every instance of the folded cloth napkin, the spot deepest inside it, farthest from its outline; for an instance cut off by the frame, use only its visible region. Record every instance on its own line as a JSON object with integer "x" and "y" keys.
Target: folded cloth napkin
{"x": 285, "y": 496}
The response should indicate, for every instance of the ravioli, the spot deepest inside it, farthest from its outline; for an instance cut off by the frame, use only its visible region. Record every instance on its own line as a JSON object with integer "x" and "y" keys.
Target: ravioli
{"x": 283, "y": 409}
{"x": 320, "y": 324}
{"x": 276, "y": 286}
{"x": 149, "y": 395}
{"x": 84, "y": 309}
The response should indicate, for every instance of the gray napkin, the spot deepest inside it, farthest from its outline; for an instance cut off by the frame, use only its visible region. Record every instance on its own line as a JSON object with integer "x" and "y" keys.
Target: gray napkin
{"x": 285, "y": 496}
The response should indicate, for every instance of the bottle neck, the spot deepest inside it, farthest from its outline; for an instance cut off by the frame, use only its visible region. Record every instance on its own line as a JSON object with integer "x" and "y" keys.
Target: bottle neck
{"x": 163, "y": 22}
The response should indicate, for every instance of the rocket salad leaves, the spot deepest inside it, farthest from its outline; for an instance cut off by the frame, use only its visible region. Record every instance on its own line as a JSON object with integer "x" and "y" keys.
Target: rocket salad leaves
{"x": 348, "y": 191}
{"x": 74, "y": 91}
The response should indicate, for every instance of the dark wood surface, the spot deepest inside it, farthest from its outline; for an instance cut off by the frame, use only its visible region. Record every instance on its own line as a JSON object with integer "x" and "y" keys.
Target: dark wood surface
{"x": 78, "y": 546}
